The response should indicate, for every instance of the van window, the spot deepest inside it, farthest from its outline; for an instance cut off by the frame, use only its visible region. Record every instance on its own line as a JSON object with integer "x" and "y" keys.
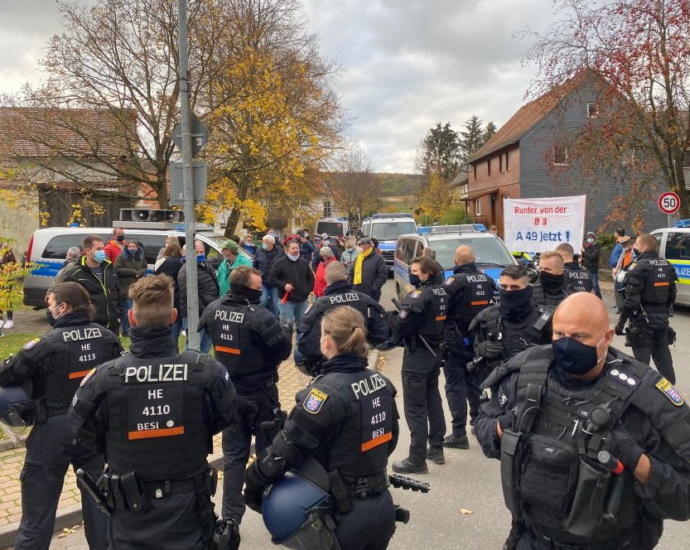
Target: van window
{"x": 409, "y": 251}
{"x": 332, "y": 229}
{"x": 677, "y": 246}
{"x": 57, "y": 247}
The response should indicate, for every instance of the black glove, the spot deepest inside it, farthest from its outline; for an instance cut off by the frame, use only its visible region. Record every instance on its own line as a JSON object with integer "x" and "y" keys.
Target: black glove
{"x": 625, "y": 448}
{"x": 253, "y": 498}
{"x": 254, "y": 486}
{"x": 226, "y": 535}
{"x": 489, "y": 349}
{"x": 620, "y": 329}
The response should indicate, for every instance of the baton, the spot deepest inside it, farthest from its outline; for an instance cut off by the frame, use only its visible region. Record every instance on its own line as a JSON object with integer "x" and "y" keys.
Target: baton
{"x": 86, "y": 482}
{"x": 421, "y": 338}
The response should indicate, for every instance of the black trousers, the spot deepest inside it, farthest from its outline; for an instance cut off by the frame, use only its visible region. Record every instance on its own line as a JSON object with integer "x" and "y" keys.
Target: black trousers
{"x": 653, "y": 344}
{"x": 422, "y": 401}
{"x": 182, "y": 521}
{"x": 461, "y": 388}
{"x": 369, "y": 525}
{"x": 49, "y": 453}
{"x": 257, "y": 403}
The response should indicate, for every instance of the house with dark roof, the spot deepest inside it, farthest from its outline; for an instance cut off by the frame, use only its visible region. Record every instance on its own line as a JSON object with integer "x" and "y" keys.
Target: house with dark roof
{"x": 528, "y": 157}
{"x": 70, "y": 156}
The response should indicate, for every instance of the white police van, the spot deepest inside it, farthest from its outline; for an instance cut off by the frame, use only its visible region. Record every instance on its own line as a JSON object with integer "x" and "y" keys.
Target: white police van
{"x": 490, "y": 251}
{"x": 674, "y": 245}
{"x": 48, "y": 247}
{"x": 332, "y": 227}
{"x": 387, "y": 228}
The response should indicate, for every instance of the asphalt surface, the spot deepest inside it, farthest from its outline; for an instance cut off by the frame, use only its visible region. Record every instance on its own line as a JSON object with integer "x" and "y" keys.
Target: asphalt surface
{"x": 464, "y": 509}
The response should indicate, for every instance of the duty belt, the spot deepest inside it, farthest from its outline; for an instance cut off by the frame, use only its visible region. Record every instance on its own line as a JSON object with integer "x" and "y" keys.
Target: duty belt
{"x": 621, "y": 542}
{"x": 366, "y": 486}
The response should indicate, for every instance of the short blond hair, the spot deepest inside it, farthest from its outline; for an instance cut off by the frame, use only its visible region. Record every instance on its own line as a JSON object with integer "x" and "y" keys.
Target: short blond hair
{"x": 152, "y": 299}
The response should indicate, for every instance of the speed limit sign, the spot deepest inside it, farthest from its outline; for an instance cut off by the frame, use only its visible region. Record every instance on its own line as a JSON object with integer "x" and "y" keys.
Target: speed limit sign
{"x": 669, "y": 202}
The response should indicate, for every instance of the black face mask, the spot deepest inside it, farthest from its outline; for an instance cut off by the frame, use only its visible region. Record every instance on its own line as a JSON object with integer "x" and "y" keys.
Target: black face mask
{"x": 513, "y": 303}
{"x": 551, "y": 281}
{"x": 635, "y": 253}
{"x": 414, "y": 280}
{"x": 573, "y": 357}
{"x": 253, "y": 296}
{"x": 120, "y": 238}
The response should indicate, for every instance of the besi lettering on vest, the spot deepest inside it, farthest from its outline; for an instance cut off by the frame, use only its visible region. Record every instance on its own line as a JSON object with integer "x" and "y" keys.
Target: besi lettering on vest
{"x": 170, "y": 372}
{"x": 81, "y": 334}
{"x": 368, "y": 385}
{"x": 229, "y": 316}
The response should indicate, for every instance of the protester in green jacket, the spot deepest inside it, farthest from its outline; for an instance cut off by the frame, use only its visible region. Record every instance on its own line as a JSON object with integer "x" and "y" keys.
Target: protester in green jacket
{"x": 233, "y": 259}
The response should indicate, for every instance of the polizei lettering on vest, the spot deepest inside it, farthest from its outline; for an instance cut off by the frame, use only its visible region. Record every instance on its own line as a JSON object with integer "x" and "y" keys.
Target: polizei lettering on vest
{"x": 344, "y": 298}
{"x": 77, "y": 334}
{"x": 229, "y": 316}
{"x": 476, "y": 278}
{"x": 578, "y": 274}
{"x": 170, "y": 372}
{"x": 658, "y": 262}
{"x": 369, "y": 385}
{"x": 439, "y": 291}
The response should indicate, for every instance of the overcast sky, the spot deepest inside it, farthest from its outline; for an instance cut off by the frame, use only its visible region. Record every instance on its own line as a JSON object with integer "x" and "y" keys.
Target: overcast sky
{"x": 407, "y": 64}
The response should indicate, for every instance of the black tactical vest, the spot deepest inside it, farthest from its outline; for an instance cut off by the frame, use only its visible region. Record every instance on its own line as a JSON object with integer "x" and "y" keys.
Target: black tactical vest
{"x": 431, "y": 301}
{"x": 78, "y": 350}
{"x": 155, "y": 415}
{"x": 478, "y": 297}
{"x": 232, "y": 338}
{"x": 578, "y": 278}
{"x": 659, "y": 276}
{"x": 550, "y": 473}
{"x": 361, "y": 446}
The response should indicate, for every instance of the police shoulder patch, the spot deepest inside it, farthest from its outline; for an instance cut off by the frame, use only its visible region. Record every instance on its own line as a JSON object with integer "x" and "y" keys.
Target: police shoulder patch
{"x": 632, "y": 266}
{"x": 449, "y": 280}
{"x": 669, "y": 390}
{"x": 31, "y": 343}
{"x": 314, "y": 401}
{"x": 403, "y": 314}
{"x": 415, "y": 294}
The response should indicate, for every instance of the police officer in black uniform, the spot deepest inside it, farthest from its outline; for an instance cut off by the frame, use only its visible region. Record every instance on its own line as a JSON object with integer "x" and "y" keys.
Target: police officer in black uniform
{"x": 420, "y": 325}
{"x": 55, "y": 364}
{"x": 469, "y": 292}
{"x": 650, "y": 291}
{"x": 552, "y": 288}
{"x": 577, "y": 277}
{"x": 594, "y": 445}
{"x": 338, "y": 293}
{"x": 154, "y": 413}
{"x": 250, "y": 343}
{"x": 347, "y": 420}
{"x": 511, "y": 326}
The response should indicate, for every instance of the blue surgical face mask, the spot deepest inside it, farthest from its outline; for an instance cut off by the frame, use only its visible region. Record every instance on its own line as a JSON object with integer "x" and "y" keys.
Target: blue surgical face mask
{"x": 200, "y": 258}
{"x": 99, "y": 256}
{"x": 264, "y": 246}
{"x": 574, "y": 357}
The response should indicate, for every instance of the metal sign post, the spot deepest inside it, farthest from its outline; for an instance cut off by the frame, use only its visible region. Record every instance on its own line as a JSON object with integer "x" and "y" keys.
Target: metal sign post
{"x": 193, "y": 339}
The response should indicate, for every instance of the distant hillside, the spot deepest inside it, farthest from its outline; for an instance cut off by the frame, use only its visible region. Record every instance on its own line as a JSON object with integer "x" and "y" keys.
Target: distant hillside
{"x": 394, "y": 185}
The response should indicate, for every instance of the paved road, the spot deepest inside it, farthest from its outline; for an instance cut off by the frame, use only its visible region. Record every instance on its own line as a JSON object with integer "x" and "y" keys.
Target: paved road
{"x": 464, "y": 509}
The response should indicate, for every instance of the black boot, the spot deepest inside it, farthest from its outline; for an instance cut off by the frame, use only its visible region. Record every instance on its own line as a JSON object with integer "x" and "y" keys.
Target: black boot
{"x": 435, "y": 454}
{"x": 456, "y": 442}
{"x": 406, "y": 466}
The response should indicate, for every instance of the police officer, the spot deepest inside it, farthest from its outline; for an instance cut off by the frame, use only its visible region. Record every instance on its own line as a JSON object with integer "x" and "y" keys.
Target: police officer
{"x": 577, "y": 277}
{"x": 650, "y": 291}
{"x": 511, "y": 326}
{"x": 250, "y": 343}
{"x": 469, "y": 292}
{"x": 594, "y": 445}
{"x": 55, "y": 364}
{"x": 347, "y": 419}
{"x": 154, "y": 412}
{"x": 420, "y": 325}
{"x": 338, "y": 293}
{"x": 552, "y": 288}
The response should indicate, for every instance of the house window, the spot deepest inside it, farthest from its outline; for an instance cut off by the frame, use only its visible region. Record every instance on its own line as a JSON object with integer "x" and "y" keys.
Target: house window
{"x": 560, "y": 155}
{"x": 507, "y": 160}
{"x": 474, "y": 168}
{"x": 488, "y": 166}
{"x": 592, "y": 110}
{"x": 327, "y": 208}
{"x": 500, "y": 163}
{"x": 478, "y": 207}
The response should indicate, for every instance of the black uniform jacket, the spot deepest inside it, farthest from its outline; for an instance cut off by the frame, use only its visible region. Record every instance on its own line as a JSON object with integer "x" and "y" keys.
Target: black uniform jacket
{"x": 668, "y": 489}
{"x": 337, "y": 294}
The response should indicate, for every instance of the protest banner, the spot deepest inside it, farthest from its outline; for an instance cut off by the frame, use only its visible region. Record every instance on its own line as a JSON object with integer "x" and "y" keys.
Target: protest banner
{"x": 538, "y": 225}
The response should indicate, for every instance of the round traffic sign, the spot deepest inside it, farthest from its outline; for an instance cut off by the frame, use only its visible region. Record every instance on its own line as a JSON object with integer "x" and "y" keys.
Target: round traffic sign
{"x": 669, "y": 202}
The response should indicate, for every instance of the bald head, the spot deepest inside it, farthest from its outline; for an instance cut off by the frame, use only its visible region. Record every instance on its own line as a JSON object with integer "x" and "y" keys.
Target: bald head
{"x": 583, "y": 317}
{"x": 464, "y": 255}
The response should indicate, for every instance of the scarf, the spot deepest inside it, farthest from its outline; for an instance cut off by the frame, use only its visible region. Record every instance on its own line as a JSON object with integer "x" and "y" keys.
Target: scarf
{"x": 358, "y": 266}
